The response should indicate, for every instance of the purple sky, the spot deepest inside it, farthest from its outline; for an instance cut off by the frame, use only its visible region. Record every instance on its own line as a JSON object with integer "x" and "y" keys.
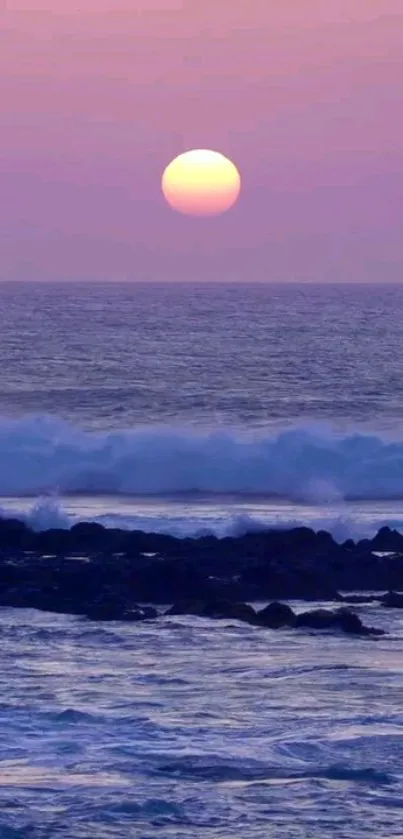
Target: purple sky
{"x": 304, "y": 95}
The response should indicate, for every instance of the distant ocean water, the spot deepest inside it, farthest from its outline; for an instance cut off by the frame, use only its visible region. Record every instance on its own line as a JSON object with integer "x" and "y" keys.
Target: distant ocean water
{"x": 186, "y": 409}
{"x": 249, "y": 357}
{"x": 202, "y": 407}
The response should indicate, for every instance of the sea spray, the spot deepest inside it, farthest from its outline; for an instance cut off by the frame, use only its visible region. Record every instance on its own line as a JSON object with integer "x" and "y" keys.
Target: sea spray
{"x": 42, "y": 455}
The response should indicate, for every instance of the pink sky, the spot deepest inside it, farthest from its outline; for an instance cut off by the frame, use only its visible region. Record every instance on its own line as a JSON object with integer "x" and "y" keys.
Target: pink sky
{"x": 304, "y": 95}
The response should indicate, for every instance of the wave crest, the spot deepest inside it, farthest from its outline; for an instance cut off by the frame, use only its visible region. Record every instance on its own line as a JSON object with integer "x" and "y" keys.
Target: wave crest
{"x": 41, "y": 455}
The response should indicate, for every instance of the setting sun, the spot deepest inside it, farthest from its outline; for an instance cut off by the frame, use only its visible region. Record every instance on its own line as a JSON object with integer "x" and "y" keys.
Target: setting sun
{"x": 201, "y": 183}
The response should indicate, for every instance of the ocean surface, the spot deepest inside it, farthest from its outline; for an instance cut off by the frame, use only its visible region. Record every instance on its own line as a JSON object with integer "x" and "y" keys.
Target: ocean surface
{"x": 193, "y": 729}
{"x": 193, "y": 408}
{"x": 189, "y": 409}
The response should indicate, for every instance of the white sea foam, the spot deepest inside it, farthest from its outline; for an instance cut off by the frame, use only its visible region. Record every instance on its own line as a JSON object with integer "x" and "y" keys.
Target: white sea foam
{"x": 43, "y": 454}
{"x": 195, "y": 520}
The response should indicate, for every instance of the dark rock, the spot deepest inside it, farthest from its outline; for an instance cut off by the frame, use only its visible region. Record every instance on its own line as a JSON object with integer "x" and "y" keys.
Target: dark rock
{"x": 299, "y": 583}
{"x": 141, "y": 613}
{"x": 316, "y": 619}
{"x": 387, "y": 540}
{"x": 14, "y": 534}
{"x": 88, "y": 535}
{"x": 79, "y": 569}
{"x": 115, "y": 610}
{"x": 217, "y": 609}
{"x": 171, "y": 580}
{"x": 186, "y": 607}
{"x": 54, "y": 541}
{"x": 364, "y": 546}
{"x": 392, "y": 600}
{"x": 233, "y": 611}
{"x": 357, "y": 599}
{"x": 276, "y": 615}
{"x": 350, "y": 622}
{"x": 342, "y": 619}
{"x": 106, "y": 611}
{"x": 348, "y": 545}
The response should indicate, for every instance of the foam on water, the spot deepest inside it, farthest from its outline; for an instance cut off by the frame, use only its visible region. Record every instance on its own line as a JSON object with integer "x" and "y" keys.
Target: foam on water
{"x": 197, "y": 518}
{"x": 311, "y": 464}
{"x": 196, "y": 728}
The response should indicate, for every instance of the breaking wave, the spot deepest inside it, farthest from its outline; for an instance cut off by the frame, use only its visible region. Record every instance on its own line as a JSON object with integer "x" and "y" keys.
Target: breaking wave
{"x": 42, "y": 455}
{"x": 45, "y": 513}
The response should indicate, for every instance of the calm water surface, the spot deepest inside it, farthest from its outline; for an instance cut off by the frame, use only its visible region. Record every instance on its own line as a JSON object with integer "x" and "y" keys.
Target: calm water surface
{"x": 114, "y": 356}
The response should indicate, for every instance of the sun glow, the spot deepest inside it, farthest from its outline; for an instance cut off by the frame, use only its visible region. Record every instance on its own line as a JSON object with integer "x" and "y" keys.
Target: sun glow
{"x": 201, "y": 183}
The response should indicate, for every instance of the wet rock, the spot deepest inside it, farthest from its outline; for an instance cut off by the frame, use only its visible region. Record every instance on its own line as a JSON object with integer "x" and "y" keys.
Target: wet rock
{"x": 316, "y": 619}
{"x": 88, "y": 535}
{"x": 105, "y": 611}
{"x": 276, "y": 615}
{"x": 392, "y": 600}
{"x": 348, "y": 545}
{"x": 14, "y": 534}
{"x": 387, "y": 540}
{"x": 275, "y": 580}
{"x": 114, "y": 610}
{"x": 234, "y": 611}
{"x": 350, "y": 622}
{"x": 358, "y": 599}
{"x": 70, "y": 568}
{"x": 342, "y": 619}
{"x": 216, "y": 609}
{"x": 53, "y": 541}
{"x": 186, "y": 607}
{"x": 170, "y": 581}
{"x": 141, "y": 613}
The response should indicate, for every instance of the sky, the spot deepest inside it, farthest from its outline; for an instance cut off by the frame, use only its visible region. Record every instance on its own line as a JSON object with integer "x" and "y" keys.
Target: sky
{"x": 305, "y": 96}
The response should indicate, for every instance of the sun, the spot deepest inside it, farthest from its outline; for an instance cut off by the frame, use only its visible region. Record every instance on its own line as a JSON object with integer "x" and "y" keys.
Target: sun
{"x": 201, "y": 182}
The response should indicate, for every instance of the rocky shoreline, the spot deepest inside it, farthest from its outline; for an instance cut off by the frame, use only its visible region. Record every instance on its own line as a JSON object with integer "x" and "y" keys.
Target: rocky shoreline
{"x": 104, "y": 573}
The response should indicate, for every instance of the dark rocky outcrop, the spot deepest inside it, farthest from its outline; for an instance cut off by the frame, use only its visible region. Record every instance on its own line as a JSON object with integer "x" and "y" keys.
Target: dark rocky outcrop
{"x": 276, "y": 615}
{"x": 387, "y": 540}
{"x": 115, "y": 611}
{"x": 342, "y": 619}
{"x": 90, "y": 568}
{"x": 217, "y": 609}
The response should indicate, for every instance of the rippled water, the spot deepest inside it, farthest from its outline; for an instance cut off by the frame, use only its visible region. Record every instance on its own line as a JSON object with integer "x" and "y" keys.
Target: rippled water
{"x": 250, "y": 356}
{"x": 189, "y": 728}
{"x": 193, "y": 728}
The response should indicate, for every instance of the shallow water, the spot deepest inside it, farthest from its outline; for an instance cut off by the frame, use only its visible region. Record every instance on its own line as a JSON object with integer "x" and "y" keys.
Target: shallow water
{"x": 193, "y": 516}
{"x": 188, "y": 727}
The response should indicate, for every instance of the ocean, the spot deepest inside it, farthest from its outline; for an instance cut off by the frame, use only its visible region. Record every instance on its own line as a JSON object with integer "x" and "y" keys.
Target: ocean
{"x": 190, "y": 409}
{"x": 202, "y": 408}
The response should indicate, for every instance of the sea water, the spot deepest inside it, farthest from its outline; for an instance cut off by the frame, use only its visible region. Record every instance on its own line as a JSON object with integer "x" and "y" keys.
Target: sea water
{"x": 190, "y": 409}
{"x": 191, "y": 728}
